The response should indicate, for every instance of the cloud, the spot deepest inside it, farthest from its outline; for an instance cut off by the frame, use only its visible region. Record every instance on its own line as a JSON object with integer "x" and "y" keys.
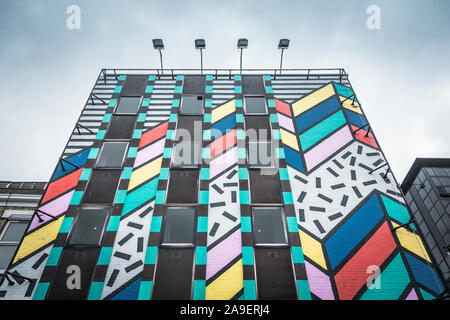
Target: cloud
{"x": 399, "y": 72}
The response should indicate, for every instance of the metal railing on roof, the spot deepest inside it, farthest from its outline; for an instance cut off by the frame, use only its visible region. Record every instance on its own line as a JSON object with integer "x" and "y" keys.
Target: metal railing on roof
{"x": 311, "y": 73}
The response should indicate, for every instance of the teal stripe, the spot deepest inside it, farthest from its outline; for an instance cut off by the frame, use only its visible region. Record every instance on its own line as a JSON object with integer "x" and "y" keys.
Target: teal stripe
{"x": 200, "y": 255}
{"x": 150, "y": 256}
{"x": 199, "y": 290}
{"x": 246, "y": 224}
{"x": 202, "y": 224}
{"x": 297, "y": 255}
{"x": 145, "y": 290}
{"x": 249, "y": 290}
{"x": 321, "y": 130}
{"x": 140, "y": 195}
{"x": 247, "y": 256}
{"x": 303, "y": 290}
{"x": 41, "y": 291}
{"x": 53, "y": 258}
{"x": 113, "y": 224}
{"x": 66, "y": 224}
{"x": 95, "y": 293}
{"x": 105, "y": 256}
{"x": 156, "y": 224}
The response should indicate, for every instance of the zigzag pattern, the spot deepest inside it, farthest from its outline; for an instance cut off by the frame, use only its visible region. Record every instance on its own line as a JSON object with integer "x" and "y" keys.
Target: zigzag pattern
{"x": 346, "y": 214}
{"x": 36, "y": 245}
{"x": 128, "y": 253}
{"x": 224, "y": 279}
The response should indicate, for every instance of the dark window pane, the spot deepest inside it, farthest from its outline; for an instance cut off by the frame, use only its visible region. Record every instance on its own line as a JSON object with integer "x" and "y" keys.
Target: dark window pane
{"x": 14, "y": 231}
{"x": 268, "y": 226}
{"x": 194, "y": 84}
{"x": 255, "y": 105}
{"x": 257, "y": 128}
{"x": 121, "y": 127}
{"x": 192, "y": 105}
{"x": 264, "y": 188}
{"x": 6, "y": 254}
{"x": 102, "y": 186}
{"x": 260, "y": 155}
{"x": 134, "y": 84}
{"x": 112, "y": 155}
{"x": 88, "y": 227}
{"x": 128, "y": 105}
{"x": 74, "y": 264}
{"x": 179, "y": 226}
{"x": 183, "y": 186}
{"x": 173, "y": 274}
{"x": 274, "y": 274}
{"x": 186, "y": 154}
{"x": 189, "y": 128}
{"x": 252, "y": 84}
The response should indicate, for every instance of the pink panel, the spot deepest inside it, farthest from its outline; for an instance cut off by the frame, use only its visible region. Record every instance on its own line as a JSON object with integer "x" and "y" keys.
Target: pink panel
{"x": 327, "y": 147}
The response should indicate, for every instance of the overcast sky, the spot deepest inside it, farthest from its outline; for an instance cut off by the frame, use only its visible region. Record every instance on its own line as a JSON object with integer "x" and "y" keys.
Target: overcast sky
{"x": 400, "y": 72}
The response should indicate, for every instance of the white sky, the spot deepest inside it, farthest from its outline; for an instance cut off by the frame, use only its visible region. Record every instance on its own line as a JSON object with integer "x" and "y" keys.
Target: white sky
{"x": 400, "y": 73}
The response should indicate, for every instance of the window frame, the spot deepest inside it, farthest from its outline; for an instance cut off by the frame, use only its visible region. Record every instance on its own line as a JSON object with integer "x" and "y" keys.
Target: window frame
{"x": 161, "y": 243}
{"x": 101, "y": 150}
{"x": 110, "y": 123}
{"x": 274, "y": 164}
{"x": 266, "y": 113}
{"x": 191, "y": 166}
{"x": 68, "y": 245}
{"x": 181, "y": 113}
{"x": 182, "y": 204}
{"x": 284, "y": 226}
{"x": 89, "y": 181}
{"x": 127, "y": 113}
{"x": 26, "y": 220}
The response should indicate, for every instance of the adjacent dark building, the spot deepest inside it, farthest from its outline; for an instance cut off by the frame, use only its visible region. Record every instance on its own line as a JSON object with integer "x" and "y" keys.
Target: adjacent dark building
{"x": 427, "y": 190}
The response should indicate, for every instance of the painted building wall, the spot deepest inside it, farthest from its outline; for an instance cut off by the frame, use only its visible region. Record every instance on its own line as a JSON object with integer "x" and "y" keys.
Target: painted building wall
{"x": 339, "y": 213}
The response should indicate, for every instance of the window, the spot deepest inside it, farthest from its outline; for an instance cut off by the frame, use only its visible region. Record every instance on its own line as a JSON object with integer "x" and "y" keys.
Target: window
{"x": 88, "y": 227}
{"x": 121, "y": 127}
{"x": 112, "y": 155}
{"x": 258, "y": 128}
{"x": 253, "y": 84}
{"x": 186, "y": 154}
{"x": 9, "y": 240}
{"x": 191, "y": 105}
{"x": 194, "y": 84}
{"x": 102, "y": 186}
{"x": 179, "y": 225}
{"x": 268, "y": 226}
{"x": 135, "y": 84}
{"x": 255, "y": 105}
{"x": 183, "y": 186}
{"x": 189, "y": 128}
{"x": 128, "y": 105}
{"x": 260, "y": 155}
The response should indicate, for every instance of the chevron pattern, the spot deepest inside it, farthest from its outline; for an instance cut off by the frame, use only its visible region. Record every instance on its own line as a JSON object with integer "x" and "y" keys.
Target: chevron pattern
{"x": 224, "y": 249}
{"x": 128, "y": 252}
{"x": 346, "y": 213}
{"x": 35, "y": 248}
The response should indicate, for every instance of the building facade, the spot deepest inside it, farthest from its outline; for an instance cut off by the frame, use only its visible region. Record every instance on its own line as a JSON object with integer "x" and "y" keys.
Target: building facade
{"x": 18, "y": 200}
{"x": 427, "y": 191}
{"x": 227, "y": 185}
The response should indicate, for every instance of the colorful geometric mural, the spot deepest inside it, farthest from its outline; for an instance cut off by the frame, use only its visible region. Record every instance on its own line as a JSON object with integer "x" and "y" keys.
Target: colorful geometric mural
{"x": 348, "y": 231}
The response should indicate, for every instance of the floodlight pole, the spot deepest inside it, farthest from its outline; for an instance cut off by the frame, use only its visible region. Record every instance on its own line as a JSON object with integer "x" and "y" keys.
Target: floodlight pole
{"x": 281, "y": 61}
{"x": 201, "y": 60}
{"x": 160, "y": 58}
{"x": 240, "y": 68}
